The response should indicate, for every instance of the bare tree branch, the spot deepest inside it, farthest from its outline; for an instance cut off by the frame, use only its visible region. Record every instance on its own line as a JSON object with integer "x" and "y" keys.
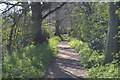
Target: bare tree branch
{"x": 8, "y": 3}
{"x": 10, "y": 8}
{"x": 50, "y": 12}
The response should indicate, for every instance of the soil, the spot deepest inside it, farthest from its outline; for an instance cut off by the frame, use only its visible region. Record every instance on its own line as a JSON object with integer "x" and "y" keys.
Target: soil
{"x": 66, "y": 64}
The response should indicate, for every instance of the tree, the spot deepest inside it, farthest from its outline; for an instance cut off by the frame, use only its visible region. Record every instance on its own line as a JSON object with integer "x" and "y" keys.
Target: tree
{"x": 89, "y": 23}
{"x": 40, "y": 10}
{"x": 37, "y": 17}
{"x": 112, "y": 42}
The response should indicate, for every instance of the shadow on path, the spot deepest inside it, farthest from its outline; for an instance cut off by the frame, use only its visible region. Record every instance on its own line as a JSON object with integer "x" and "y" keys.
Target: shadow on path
{"x": 66, "y": 64}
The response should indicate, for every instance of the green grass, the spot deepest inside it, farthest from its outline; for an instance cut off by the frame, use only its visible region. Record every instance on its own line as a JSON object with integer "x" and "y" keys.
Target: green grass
{"x": 31, "y": 61}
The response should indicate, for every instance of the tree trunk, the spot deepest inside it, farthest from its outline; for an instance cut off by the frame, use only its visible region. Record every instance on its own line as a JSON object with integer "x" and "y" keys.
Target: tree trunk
{"x": 38, "y": 31}
{"x": 119, "y": 35}
{"x": 57, "y": 28}
{"x": 9, "y": 46}
{"x": 37, "y": 21}
{"x": 37, "y": 17}
{"x": 112, "y": 42}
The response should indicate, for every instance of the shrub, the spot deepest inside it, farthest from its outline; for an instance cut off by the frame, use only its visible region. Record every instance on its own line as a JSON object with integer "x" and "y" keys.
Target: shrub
{"x": 65, "y": 36}
{"x": 73, "y": 42}
{"x": 31, "y": 61}
{"x": 92, "y": 61}
{"x": 89, "y": 58}
{"x": 53, "y": 42}
{"x": 110, "y": 70}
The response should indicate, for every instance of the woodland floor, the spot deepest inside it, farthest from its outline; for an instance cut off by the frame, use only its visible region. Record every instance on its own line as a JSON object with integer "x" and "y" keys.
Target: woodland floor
{"x": 66, "y": 64}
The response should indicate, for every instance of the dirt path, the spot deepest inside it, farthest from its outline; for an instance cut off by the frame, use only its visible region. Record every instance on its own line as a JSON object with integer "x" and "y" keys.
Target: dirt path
{"x": 66, "y": 64}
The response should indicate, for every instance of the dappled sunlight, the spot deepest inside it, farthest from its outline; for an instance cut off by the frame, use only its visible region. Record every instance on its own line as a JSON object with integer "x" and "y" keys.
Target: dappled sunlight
{"x": 68, "y": 62}
{"x": 59, "y": 39}
{"x": 68, "y": 54}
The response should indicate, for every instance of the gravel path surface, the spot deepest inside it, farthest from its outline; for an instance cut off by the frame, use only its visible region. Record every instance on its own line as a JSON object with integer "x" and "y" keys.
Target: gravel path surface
{"x": 66, "y": 64}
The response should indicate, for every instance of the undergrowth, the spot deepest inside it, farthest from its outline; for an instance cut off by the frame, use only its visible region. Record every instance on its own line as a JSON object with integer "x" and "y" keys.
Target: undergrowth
{"x": 92, "y": 60}
{"x": 31, "y": 61}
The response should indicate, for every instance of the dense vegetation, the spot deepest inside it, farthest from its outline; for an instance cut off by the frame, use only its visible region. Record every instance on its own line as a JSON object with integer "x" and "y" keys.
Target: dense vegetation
{"x": 93, "y": 60}
{"x": 31, "y": 61}
{"x": 90, "y": 24}
{"x": 93, "y": 38}
{"x": 30, "y": 33}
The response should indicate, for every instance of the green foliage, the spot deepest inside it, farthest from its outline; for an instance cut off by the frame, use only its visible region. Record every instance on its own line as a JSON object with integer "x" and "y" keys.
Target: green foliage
{"x": 21, "y": 35}
{"x": 90, "y": 26}
{"x": 53, "y": 42}
{"x": 110, "y": 70}
{"x": 89, "y": 58}
{"x": 118, "y": 10}
{"x": 49, "y": 27}
{"x": 31, "y": 61}
{"x": 65, "y": 36}
{"x": 92, "y": 60}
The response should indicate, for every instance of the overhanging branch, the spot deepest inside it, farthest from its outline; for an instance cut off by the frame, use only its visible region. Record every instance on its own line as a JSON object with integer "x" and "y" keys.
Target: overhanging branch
{"x": 10, "y": 8}
{"x": 8, "y": 3}
{"x": 50, "y": 12}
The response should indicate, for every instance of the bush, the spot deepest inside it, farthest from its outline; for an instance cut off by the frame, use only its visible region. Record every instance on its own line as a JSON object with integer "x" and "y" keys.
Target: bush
{"x": 92, "y": 60}
{"x": 65, "y": 36}
{"x": 53, "y": 42}
{"x": 110, "y": 70}
{"x": 89, "y": 58}
{"x": 31, "y": 61}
